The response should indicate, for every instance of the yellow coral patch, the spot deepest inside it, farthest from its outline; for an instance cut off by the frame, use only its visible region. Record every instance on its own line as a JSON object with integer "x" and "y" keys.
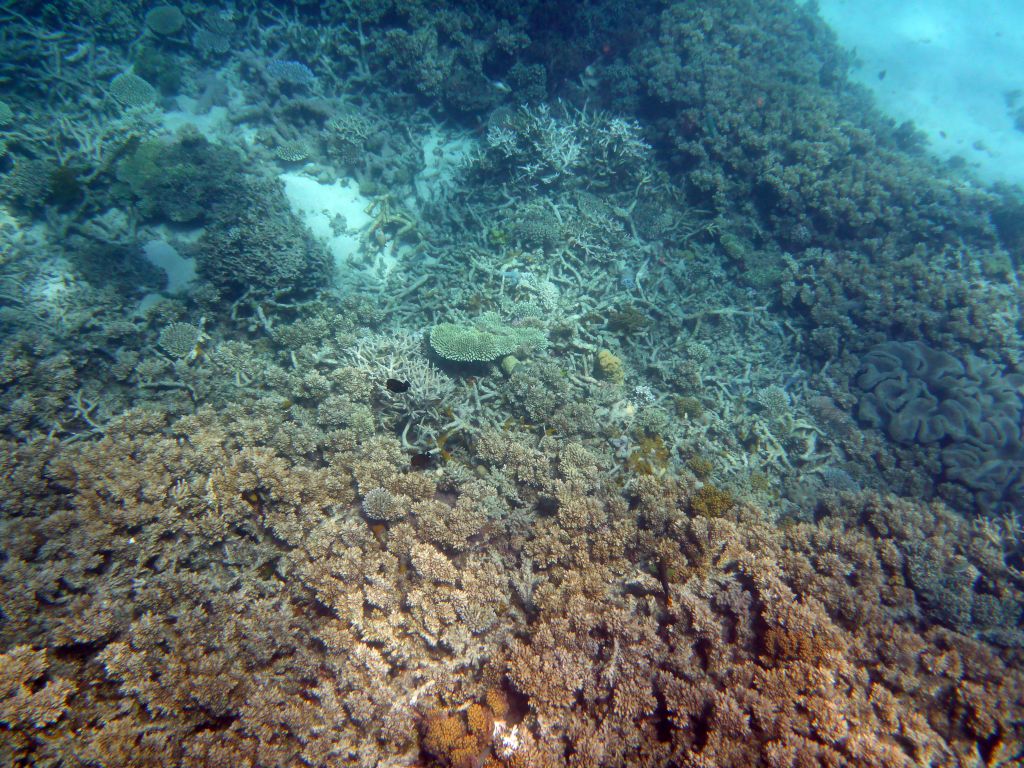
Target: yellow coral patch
{"x": 610, "y": 366}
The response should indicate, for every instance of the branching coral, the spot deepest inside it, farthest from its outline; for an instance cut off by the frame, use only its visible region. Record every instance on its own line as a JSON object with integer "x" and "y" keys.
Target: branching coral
{"x": 635, "y": 631}
{"x": 26, "y": 704}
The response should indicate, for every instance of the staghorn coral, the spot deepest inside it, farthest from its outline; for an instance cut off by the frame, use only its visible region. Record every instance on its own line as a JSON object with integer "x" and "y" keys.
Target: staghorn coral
{"x": 451, "y": 526}
{"x": 382, "y": 505}
{"x": 424, "y": 410}
{"x": 181, "y": 340}
{"x": 774, "y": 400}
{"x": 26, "y": 705}
{"x": 533, "y": 145}
{"x": 709, "y": 501}
{"x": 433, "y": 565}
{"x": 281, "y": 560}
{"x": 29, "y": 708}
{"x": 654, "y": 636}
{"x": 543, "y": 392}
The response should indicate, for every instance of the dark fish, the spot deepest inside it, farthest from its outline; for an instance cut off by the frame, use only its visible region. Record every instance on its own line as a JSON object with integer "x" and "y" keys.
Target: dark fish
{"x": 397, "y": 385}
{"x": 881, "y": 75}
{"x": 421, "y": 461}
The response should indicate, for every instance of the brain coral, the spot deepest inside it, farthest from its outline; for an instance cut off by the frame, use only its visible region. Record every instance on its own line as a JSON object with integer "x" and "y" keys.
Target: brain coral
{"x": 486, "y": 339}
{"x": 969, "y": 408}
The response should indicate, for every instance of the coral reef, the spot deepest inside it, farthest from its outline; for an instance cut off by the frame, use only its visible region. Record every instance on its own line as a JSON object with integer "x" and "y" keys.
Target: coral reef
{"x": 660, "y": 635}
{"x": 496, "y": 385}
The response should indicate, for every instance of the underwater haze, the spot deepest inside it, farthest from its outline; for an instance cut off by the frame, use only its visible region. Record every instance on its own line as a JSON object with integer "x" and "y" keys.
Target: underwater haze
{"x": 511, "y": 385}
{"x": 951, "y": 67}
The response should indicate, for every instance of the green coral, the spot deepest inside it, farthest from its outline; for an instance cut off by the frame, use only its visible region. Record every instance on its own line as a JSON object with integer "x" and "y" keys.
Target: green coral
{"x": 165, "y": 20}
{"x": 485, "y": 339}
{"x": 181, "y": 181}
{"x": 161, "y": 69}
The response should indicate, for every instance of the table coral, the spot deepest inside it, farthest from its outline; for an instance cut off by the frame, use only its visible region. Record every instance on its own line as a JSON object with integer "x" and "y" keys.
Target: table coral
{"x": 485, "y": 339}
{"x": 132, "y": 91}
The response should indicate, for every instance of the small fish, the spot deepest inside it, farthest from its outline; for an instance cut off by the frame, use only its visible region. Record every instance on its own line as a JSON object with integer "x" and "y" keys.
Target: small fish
{"x": 397, "y": 385}
{"x": 421, "y": 461}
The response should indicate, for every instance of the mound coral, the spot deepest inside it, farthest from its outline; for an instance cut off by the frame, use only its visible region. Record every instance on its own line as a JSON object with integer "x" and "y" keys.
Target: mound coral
{"x": 181, "y": 181}
{"x": 611, "y": 366}
{"x": 254, "y": 242}
{"x": 165, "y": 19}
